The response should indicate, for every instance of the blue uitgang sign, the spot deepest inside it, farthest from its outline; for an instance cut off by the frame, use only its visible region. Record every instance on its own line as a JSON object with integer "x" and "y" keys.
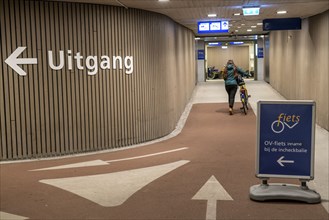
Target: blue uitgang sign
{"x": 285, "y": 139}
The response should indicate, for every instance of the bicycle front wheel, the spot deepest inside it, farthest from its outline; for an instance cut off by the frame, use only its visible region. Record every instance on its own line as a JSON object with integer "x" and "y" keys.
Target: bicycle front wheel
{"x": 244, "y": 106}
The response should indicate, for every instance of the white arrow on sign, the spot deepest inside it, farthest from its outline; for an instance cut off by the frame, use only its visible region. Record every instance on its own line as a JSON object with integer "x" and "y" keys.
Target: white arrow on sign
{"x": 281, "y": 161}
{"x": 212, "y": 191}
{"x": 13, "y": 61}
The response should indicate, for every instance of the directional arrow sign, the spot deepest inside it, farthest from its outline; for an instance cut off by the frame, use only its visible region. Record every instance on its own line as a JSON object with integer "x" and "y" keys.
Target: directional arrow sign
{"x": 212, "y": 191}
{"x": 13, "y": 61}
{"x": 281, "y": 161}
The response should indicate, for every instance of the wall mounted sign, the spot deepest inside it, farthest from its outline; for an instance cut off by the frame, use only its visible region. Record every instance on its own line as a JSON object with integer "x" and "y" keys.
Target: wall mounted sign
{"x": 201, "y": 54}
{"x": 91, "y": 63}
{"x": 260, "y": 52}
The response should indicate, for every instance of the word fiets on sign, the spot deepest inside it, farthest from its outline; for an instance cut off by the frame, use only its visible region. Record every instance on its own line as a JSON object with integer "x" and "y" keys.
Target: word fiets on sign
{"x": 91, "y": 63}
{"x": 285, "y": 139}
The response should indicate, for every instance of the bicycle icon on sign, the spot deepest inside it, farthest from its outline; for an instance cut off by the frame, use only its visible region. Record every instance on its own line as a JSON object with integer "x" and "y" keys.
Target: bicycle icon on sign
{"x": 278, "y": 126}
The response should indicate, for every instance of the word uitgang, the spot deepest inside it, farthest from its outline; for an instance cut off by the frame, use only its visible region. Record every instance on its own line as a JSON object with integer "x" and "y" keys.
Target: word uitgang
{"x": 92, "y": 63}
{"x": 288, "y": 118}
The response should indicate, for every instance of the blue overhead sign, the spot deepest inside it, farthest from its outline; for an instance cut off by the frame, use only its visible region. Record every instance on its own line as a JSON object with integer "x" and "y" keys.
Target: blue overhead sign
{"x": 275, "y": 24}
{"x": 210, "y": 27}
{"x": 285, "y": 139}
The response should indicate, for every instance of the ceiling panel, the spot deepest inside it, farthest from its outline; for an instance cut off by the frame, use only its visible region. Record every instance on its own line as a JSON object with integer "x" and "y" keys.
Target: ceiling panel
{"x": 189, "y": 12}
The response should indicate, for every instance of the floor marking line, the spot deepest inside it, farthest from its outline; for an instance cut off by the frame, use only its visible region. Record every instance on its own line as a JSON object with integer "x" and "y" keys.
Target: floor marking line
{"x": 102, "y": 163}
{"x": 147, "y": 155}
{"x": 75, "y": 165}
{"x": 9, "y": 216}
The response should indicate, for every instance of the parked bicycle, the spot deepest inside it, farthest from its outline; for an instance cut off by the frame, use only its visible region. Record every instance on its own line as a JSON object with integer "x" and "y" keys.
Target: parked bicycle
{"x": 212, "y": 73}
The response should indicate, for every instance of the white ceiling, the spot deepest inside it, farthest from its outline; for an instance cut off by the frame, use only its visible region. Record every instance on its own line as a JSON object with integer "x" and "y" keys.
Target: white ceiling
{"x": 189, "y": 12}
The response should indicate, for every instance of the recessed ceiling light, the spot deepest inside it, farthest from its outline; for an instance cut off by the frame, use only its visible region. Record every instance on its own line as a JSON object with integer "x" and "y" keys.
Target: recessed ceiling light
{"x": 237, "y": 14}
{"x": 281, "y": 12}
{"x": 259, "y": 23}
{"x": 254, "y": 26}
{"x": 212, "y": 15}
{"x": 249, "y": 30}
{"x": 224, "y": 47}
{"x": 163, "y": 0}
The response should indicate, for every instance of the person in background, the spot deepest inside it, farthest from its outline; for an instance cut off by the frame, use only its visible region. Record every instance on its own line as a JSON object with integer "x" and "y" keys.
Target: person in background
{"x": 230, "y": 75}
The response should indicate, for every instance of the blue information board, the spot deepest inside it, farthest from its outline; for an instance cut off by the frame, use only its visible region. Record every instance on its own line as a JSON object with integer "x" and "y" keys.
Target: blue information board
{"x": 260, "y": 52}
{"x": 201, "y": 54}
{"x": 211, "y": 27}
{"x": 285, "y": 139}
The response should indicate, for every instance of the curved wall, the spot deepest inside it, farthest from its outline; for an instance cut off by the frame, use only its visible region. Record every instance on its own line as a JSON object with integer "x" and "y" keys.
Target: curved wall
{"x": 299, "y": 64}
{"x": 105, "y": 77}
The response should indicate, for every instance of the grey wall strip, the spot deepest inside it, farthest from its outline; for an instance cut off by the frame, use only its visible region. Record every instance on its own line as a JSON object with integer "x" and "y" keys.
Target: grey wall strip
{"x": 106, "y": 77}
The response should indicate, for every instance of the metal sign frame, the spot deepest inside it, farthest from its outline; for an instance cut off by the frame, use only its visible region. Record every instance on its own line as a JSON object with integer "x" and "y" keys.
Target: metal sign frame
{"x": 275, "y": 107}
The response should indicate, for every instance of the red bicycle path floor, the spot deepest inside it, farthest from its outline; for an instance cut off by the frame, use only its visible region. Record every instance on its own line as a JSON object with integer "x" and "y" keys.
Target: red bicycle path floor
{"x": 215, "y": 145}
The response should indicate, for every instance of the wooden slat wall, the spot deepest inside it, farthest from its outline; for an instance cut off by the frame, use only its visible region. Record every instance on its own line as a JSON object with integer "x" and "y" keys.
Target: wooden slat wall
{"x": 56, "y": 112}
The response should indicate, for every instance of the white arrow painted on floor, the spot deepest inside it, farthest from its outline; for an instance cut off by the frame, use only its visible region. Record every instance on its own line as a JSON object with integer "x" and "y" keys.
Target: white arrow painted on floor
{"x": 101, "y": 162}
{"x": 9, "y": 216}
{"x": 13, "y": 61}
{"x": 113, "y": 189}
{"x": 212, "y": 191}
